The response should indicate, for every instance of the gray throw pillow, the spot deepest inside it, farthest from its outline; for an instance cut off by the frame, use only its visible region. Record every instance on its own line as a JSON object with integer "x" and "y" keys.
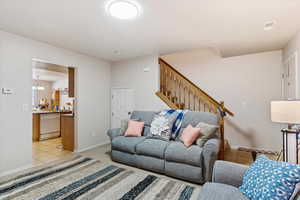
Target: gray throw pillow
{"x": 161, "y": 126}
{"x": 124, "y": 125}
{"x": 208, "y": 131}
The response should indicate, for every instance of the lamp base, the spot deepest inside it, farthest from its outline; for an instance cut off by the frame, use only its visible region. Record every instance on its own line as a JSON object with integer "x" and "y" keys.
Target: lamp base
{"x": 290, "y": 141}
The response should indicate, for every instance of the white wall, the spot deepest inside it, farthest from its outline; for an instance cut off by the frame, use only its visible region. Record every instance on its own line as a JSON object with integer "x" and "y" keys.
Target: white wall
{"x": 93, "y": 92}
{"x": 247, "y": 84}
{"x": 130, "y": 74}
{"x": 293, "y": 46}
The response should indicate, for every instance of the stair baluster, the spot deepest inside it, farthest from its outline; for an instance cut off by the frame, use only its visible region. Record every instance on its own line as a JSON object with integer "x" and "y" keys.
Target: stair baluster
{"x": 180, "y": 93}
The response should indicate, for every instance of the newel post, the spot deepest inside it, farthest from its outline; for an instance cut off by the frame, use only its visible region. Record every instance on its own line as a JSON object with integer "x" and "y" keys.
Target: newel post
{"x": 222, "y": 145}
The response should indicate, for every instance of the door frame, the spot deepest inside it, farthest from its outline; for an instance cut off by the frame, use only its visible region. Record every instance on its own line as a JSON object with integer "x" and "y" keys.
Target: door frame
{"x": 75, "y": 110}
{"x": 285, "y": 62}
{"x": 111, "y": 97}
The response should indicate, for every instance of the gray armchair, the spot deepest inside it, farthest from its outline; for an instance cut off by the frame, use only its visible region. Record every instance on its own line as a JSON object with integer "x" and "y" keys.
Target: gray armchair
{"x": 226, "y": 179}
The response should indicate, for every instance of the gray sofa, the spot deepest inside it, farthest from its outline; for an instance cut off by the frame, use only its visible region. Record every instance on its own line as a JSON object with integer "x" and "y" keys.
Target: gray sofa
{"x": 226, "y": 179}
{"x": 171, "y": 158}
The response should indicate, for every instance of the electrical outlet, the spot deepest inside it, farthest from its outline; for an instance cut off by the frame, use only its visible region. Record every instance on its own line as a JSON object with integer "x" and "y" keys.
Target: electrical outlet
{"x": 93, "y": 133}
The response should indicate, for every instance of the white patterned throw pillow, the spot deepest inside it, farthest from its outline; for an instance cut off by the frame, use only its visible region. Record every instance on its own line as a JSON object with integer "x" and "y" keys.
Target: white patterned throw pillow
{"x": 161, "y": 126}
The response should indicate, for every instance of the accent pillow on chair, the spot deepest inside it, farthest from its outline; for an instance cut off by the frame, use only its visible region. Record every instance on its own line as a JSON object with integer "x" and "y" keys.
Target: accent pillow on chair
{"x": 190, "y": 135}
{"x": 207, "y": 132}
{"x": 267, "y": 179}
{"x": 134, "y": 129}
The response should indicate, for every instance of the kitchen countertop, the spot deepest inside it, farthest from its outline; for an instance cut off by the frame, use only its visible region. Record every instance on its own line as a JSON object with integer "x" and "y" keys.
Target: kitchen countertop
{"x": 49, "y": 112}
{"x": 68, "y": 115}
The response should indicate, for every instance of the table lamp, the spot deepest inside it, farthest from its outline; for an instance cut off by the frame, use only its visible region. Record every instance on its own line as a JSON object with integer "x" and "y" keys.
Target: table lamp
{"x": 288, "y": 112}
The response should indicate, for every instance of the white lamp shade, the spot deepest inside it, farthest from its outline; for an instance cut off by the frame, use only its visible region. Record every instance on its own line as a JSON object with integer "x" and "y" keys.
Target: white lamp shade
{"x": 285, "y": 112}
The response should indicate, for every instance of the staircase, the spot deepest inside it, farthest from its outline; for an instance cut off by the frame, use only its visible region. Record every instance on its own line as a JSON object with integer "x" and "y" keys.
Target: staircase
{"x": 178, "y": 92}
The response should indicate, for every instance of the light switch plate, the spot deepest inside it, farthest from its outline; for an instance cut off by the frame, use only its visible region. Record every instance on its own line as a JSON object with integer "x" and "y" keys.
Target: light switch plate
{"x": 25, "y": 107}
{"x": 7, "y": 91}
{"x": 146, "y": 69}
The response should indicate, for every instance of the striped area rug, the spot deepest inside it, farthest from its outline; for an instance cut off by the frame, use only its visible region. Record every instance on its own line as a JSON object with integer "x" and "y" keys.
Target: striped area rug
{"x": 85, "y": 178}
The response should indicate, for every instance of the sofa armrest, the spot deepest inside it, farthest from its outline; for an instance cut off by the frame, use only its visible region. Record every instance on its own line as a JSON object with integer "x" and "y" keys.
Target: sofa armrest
{"x": 210, "y": 155}
{"x": 112, "y": 133}
{"x": 229, "y": 173}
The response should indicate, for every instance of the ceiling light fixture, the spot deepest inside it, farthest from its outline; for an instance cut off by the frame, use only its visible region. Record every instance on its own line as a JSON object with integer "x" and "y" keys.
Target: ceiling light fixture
{"x": 269, "y": 25}
{"x": 123, "y": 9}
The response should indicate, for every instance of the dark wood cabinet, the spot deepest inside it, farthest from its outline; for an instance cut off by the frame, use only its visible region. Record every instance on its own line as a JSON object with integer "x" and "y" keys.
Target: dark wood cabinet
{"x": 36, "y": 127}
{"x": 71, "y": 74}
{"x": 67, "y": 131}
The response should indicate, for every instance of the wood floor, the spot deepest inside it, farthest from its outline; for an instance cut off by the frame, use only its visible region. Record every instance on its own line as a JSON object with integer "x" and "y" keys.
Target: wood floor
{"x": 50, "y": 150}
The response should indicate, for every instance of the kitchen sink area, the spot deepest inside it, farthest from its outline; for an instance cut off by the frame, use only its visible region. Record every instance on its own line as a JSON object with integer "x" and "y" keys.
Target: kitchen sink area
{"x": 47, "y": 124}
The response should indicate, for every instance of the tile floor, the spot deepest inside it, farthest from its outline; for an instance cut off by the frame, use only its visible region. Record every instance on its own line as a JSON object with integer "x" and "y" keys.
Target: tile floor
{"x": 47, "y": 151}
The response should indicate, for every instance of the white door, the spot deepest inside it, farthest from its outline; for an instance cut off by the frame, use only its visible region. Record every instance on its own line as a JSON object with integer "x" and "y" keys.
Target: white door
{"x": 291, "y": 93}
{"x": 290, "y": 78}
{"x": 122, "y": 105}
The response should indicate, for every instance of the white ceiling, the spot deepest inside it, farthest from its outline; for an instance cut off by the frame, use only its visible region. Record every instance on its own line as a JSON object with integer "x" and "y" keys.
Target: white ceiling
{"x": 234, "y": 27}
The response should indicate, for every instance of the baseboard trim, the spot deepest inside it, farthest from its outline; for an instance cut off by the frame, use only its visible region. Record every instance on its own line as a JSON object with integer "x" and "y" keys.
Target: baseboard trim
{"x": 16, "y": 170}
{"x": 92, "y": 147}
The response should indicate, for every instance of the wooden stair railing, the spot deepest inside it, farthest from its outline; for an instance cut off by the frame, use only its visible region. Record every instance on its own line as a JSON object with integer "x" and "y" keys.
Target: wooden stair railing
{"x": 178, "y": 92}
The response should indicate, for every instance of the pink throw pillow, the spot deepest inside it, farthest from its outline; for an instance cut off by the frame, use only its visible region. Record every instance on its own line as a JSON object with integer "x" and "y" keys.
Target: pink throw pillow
{"x": 134, "y": 129}
{"x": 190, "y": 135}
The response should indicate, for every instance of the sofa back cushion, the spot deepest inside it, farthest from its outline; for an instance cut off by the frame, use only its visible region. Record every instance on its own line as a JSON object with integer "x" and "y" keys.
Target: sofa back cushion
{"x": 146, "y": 117}
{"x": 194, "y": 117}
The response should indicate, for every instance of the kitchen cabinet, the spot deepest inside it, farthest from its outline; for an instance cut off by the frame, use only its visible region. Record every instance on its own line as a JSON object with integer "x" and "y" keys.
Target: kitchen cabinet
{"x": 71, "y": 73}
{"x": 67, "y": 131}
{"x": 46, "y": 124}
{"x": 49, "y": 126}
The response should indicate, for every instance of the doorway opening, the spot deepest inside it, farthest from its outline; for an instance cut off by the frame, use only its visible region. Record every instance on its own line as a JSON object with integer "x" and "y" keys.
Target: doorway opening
{"x": 53, "y": 105}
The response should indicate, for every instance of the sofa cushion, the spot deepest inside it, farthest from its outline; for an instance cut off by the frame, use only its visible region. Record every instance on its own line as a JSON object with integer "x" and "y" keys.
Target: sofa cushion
{"x": 193, "y": 118}
{"x": 146, "y": 117}
{"x": 126, "y": 144}
{"x": 152, "y": 147}
{"x": 218, "y": 191}
{"x": 177, "y": 152}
